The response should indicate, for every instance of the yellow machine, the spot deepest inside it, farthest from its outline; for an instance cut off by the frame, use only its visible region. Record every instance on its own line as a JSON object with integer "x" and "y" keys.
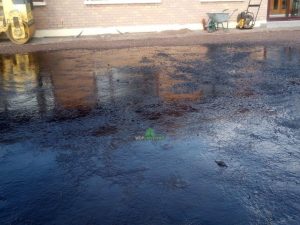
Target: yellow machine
{"x": 19, "y": 72}
{"x": 16, "y": 20}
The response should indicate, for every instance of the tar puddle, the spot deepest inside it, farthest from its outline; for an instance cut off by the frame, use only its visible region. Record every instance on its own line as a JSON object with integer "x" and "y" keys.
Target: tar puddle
{"x": 161, "y": 135}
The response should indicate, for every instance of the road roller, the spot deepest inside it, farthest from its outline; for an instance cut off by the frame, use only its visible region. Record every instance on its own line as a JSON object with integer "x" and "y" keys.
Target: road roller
{"x": 16, "y": 20}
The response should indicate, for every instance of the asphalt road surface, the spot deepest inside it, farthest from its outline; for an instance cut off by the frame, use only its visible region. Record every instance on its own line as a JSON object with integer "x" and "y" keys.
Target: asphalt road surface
{"x": 131, "y": 135}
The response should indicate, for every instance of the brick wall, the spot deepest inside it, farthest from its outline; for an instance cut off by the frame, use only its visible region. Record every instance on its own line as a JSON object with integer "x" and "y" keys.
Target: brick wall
{"x": 75, "y": 14}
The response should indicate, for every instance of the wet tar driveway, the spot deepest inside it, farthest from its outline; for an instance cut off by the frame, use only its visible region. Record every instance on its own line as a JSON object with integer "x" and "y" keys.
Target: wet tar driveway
{"x": 131, "y": 136}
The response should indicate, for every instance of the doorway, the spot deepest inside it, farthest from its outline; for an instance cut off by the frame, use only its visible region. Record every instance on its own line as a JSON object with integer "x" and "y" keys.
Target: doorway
{"x": 278, "y": 7}
{"x": 284, "y": 9}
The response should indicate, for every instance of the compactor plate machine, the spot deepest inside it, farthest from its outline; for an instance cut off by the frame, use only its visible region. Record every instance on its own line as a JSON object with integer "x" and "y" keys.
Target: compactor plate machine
{"x": 247, "y": 19}
{"x": 16, "y": 20}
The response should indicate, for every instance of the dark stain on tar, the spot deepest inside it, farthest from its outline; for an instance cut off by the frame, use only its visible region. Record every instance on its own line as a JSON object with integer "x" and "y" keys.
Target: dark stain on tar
{"x": 105, "y": 131}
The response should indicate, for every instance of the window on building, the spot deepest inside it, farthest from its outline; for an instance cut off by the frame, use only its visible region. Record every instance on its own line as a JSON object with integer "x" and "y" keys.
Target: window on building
{"x": 39, "y": 2}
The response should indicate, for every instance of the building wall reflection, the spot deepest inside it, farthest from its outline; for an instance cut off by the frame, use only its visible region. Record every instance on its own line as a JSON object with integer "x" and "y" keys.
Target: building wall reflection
{"x": 42, "y": 82}
{"x": 79, "y": 80}
{"x": 72, "y": 78}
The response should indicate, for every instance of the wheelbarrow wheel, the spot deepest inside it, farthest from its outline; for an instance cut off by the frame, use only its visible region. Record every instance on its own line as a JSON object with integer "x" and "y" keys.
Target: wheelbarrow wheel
{"x": 211, "y": 26}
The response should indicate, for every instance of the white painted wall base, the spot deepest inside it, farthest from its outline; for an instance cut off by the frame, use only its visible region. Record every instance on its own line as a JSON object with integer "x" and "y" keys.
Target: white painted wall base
{"x": 284, "y": 24}
{"x": 124, "y": 29}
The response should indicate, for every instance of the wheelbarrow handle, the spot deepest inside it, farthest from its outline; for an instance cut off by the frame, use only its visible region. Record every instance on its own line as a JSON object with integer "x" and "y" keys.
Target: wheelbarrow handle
{"x": 233, "y": 12}
{"x": 225, "y": 10}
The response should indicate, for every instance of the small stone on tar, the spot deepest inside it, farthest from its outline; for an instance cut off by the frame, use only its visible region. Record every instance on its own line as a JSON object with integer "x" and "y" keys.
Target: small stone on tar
{"x": 221, "y": 163}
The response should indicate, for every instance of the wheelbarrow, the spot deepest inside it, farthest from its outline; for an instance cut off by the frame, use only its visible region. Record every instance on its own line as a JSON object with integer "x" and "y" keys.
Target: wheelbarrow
{"x": 214, "y": 19}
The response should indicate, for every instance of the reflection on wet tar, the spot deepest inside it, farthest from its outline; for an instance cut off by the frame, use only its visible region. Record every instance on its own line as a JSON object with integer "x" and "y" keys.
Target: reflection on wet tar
{"x": 73, "y": 127}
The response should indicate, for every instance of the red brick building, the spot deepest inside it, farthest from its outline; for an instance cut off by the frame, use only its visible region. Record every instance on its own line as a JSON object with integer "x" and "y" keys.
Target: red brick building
{"x": 71, "y": 17}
